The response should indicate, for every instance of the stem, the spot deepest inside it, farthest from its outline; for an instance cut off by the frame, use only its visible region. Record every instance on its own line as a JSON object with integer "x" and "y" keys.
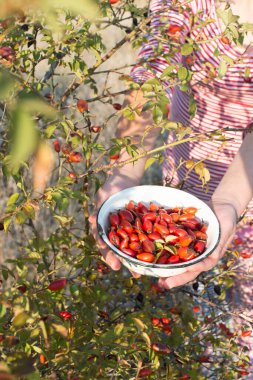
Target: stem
{"x": 199, "y": 136}
{"x": 210, "y": 303}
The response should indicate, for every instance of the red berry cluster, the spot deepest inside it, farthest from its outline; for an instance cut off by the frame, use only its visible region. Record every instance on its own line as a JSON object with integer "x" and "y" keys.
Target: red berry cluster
{"x": 66, "y": 315}
{"x": 72, "y": 156}
{"x": 156, "y": 234}
{"x": 162, "y": 323}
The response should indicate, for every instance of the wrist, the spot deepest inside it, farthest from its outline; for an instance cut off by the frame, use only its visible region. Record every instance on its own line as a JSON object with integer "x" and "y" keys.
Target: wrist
{"x": 226, "y": 201}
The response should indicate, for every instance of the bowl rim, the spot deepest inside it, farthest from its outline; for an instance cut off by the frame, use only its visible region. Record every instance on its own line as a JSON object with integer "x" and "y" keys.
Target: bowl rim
{"x": 123, "y": 255}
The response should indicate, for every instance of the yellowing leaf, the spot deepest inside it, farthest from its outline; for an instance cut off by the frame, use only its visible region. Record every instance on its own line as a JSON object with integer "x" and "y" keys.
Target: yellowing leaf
{"x": 60, "y": 329}
{"x": 236, "y": 254}
{"x": 141, "y": 326}
{"x": 21, "y": 217}
{"x": 146, "y": 338}
{"x": 29, "y": 210}
{"x": 7, "y": 223}
{"x": 119, "y": 328}
{"x": 203, "y": 172}
{"x": 230, "y": 262}
{"x": 20, "y": 319}
{"x": 149, "y": 162}
{"x": 63, "y": 220}
{"x": 189, "y": 164}
{"x": 12, "y": 199}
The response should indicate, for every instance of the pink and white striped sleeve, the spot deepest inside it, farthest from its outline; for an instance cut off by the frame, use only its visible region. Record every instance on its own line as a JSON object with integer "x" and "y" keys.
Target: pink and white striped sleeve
{"x": 166, "y": 21}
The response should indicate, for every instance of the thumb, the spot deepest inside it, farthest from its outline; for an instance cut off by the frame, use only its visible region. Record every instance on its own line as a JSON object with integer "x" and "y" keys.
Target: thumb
{"x": 93, "y": 218}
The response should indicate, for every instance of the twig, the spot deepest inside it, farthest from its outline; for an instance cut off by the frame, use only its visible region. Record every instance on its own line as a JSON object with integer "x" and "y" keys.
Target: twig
{"x": 200, "y": 136}
{"x": 210, "y": 303}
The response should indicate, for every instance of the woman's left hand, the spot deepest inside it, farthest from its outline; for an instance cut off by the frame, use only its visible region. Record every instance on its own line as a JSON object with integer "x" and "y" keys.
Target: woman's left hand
{"x": 227, "y": 217}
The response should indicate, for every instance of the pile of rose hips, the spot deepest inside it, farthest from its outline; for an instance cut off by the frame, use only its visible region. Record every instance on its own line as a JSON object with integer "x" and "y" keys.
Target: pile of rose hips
{"x": 156, "y": 234}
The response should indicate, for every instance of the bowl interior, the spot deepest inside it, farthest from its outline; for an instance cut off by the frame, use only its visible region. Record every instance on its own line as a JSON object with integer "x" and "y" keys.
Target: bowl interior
{"x": 164, "y": 196}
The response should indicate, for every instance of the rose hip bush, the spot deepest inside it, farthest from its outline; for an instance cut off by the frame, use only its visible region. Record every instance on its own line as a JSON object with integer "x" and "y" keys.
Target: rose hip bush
{"x": 63, "y": 313}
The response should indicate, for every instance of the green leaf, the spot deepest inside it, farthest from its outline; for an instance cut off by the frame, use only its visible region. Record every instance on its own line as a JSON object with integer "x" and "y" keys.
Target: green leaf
{"x": 233, "y": 31}
{"x": 227, "y": 59}
{"x": 129, "y": 113}
{"x": 222, "y": 69}
{"x": 22, "y": 146}
{"x": 21, "y": 217}
{"x": 7, "y": 85}
{"x": 227, "y": 16}
{"x": 44, "y": 330}
{"x": 153, "y": 82}
{"x": 192, "y": 107}
{"x": 186, "y": 49}
{"x": 157, "y": 114}
{"x": 131, "y": 150}
{"x": 148, "y": 105}
{"x": 2, "y": 310}
{"x": 171, "y": 125}
{"x": 167, "y": 71}
{"x": 216, "y": 52}
{"x": 12, "y": 199}
{"x": 184, "y": 87}
{"x": 170, "y": 248}
{"x": 5, "y": 274}
{"x": 37, "y": 349}
{"x": 182, "y": 73}
{"x": 114, "y": 150}
{"x": 50, "y": 130}
{"x": 146, "y": 87}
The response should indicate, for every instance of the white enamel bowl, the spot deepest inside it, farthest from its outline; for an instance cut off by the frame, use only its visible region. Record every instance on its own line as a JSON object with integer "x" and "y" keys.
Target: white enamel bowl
{"x": 167, "y": 197}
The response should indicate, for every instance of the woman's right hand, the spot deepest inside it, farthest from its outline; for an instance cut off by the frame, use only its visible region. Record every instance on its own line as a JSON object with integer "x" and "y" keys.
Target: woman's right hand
{"x": 108, "y": 255}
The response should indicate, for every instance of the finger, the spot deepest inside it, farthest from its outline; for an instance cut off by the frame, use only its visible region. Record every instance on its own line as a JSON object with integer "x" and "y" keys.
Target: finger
{"x": 134, "y": 274}
{"x": 108, "y": 255}
{"x": 205, "y": 265}
{"x": 210, "y": 261}
{"x": 92, "y": 218}
{"x": 111, "y": 259}
{"x": 181, "y": 279}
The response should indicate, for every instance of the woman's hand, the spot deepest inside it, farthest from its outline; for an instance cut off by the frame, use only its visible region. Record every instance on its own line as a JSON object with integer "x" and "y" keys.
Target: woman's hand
{"x": 227, "y": 216}
{"x": 108, "y": 255}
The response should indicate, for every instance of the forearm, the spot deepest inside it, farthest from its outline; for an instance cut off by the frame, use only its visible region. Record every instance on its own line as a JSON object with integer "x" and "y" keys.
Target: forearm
{"x": 131, "y": 174}
{"x": 236, "y": 187}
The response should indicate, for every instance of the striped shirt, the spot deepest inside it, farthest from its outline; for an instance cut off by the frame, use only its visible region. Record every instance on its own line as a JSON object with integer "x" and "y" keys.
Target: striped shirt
{"x": 221, "y": 102}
